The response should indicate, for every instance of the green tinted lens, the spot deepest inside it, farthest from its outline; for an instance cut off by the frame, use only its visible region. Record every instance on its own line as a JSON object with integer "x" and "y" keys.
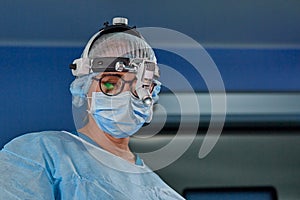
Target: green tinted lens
{"x": 111, "y": 85}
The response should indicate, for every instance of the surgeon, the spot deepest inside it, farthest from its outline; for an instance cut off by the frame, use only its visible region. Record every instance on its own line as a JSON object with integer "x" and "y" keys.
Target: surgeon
{"x": 114, "y": 90}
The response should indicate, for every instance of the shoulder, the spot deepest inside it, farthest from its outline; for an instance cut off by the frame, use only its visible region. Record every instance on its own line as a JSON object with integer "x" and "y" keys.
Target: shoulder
{"x": 36, "y": 138}
{"x": 35, "y": 146}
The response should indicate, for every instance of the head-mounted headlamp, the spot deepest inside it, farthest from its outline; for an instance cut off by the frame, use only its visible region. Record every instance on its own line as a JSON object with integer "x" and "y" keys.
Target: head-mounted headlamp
{"x": 115, "y": 64}
{"x": 83, "y": 66}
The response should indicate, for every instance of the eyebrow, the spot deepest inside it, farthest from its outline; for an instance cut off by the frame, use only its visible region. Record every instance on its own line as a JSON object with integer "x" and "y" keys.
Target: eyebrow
{"x": 119, "y": 74}
{"x": 108, "y": 74}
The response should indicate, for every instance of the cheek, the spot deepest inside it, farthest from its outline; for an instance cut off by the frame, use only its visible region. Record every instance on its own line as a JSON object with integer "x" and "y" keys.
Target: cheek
{"x": 133, "y": 87}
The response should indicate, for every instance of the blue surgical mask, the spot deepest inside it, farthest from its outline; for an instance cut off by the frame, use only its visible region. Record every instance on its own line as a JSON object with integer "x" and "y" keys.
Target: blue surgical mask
{"x": 120, "y": 116}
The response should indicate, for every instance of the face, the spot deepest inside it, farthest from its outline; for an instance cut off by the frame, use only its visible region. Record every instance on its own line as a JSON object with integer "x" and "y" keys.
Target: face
{"x": 119, "y": 115}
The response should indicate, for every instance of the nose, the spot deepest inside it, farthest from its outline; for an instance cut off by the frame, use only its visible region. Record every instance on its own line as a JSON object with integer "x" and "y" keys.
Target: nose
{"x": 126, "y": 87}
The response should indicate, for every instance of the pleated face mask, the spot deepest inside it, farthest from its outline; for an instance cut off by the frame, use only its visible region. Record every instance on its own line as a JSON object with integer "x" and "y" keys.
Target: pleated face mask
{"x": 120, "y": 116}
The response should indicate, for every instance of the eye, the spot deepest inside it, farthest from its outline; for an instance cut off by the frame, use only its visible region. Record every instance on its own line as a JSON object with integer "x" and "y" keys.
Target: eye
{"x": 109, "y": 85}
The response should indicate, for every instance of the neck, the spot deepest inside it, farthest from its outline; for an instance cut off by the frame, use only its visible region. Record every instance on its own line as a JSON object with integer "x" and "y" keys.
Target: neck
{"x": 116, "y": 146}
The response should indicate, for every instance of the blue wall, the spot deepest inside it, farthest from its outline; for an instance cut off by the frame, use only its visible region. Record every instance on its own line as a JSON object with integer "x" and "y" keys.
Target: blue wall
{"x": 245, "y": 70}
{"x": 35, "y": 90}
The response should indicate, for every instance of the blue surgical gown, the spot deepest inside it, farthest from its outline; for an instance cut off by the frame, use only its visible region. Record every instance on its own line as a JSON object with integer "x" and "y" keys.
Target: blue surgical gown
{"x": 61, "y": 165}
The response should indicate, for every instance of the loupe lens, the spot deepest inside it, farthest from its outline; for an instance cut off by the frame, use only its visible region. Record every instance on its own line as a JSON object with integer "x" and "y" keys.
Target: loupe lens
{"x": 111, "y": 85}
{"x": 147, "y": 101}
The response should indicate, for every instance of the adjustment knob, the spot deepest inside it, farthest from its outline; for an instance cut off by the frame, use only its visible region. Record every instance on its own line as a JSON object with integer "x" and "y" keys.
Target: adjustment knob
{"x": 120, "y": 21}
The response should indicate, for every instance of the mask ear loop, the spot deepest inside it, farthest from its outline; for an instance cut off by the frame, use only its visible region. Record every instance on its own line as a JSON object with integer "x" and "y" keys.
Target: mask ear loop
{"x": 89, "y": 104}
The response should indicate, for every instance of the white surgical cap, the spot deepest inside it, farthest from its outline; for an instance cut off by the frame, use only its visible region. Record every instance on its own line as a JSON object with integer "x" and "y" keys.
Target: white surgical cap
{"x": 121, "y": 44}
